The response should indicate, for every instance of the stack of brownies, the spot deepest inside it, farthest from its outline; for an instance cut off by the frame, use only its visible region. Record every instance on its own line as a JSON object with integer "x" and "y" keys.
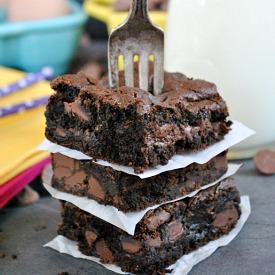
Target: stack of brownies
{"x": 131, "y": 127}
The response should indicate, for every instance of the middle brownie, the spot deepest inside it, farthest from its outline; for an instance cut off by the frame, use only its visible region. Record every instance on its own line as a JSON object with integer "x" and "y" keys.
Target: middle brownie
{"x": 128, "y": 192}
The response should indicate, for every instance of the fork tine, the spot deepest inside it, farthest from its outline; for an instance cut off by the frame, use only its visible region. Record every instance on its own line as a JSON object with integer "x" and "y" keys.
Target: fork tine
{"x": 158, "y": 72}
{"x": 129, "y": 69}
{"x": 143, "y": 71}
{"x": 113, "y": 68}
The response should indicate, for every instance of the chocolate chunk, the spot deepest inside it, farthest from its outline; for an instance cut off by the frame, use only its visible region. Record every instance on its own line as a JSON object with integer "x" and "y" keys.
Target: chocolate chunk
{"x": 90, "y": 237}
{"x": 95, "y": 188}
{"x": 131, "y": 246}
{"x": 265, "y": 161}
{"x": 174, "y": 231}
{"x": 226, "y": 218}
{"x": 104, "y": 252}
{"x": 157, "y": 219}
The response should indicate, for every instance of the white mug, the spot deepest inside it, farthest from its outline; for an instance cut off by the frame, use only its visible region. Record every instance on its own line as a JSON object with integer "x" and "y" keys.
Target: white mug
{"x": 231, "y": 43}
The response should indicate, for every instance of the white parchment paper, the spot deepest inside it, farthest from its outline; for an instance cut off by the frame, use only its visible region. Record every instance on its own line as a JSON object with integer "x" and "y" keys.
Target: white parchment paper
{"x": 238, "y": 133}
{"x": 127, "y": 221}
{"x": 182, "y": 266}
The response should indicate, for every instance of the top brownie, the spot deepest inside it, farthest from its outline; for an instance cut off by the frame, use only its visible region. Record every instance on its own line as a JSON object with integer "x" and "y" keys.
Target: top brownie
{"x": 132, "y": 127}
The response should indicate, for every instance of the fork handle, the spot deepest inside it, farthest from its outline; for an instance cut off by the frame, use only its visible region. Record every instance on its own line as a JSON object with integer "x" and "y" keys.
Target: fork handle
{"x": 139, "y": 9}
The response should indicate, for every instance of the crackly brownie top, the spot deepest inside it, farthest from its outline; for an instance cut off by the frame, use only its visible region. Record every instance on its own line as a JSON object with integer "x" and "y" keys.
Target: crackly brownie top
{"x": 178, "y": 91}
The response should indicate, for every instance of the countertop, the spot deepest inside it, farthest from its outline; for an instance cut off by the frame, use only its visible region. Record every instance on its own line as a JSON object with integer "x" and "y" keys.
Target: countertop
{"x": 24, "y": 230}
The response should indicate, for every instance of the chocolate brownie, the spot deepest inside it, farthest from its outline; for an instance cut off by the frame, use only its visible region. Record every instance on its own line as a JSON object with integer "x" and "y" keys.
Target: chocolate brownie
{"x": 132, "y": 127}
{"x": 162, "y": 236}
{"x": 128, "y": 192}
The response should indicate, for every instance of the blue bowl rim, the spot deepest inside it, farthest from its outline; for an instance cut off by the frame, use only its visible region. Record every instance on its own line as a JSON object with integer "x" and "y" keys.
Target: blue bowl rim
{"x": 76, "y": 17}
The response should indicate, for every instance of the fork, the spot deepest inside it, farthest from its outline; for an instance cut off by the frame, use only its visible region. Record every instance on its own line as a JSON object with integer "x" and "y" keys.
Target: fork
{"x": 137, "y": 36}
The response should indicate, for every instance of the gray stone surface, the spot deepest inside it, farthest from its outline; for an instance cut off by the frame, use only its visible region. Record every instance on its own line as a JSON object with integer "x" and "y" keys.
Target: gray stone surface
{"x": 23, "y": 231}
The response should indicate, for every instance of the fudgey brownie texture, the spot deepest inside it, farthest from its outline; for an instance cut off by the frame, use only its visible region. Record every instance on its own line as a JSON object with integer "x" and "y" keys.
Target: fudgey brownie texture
{"x": 128, "y": 192}
{"x": 132, "y": 127}
{"x": 162, "y": 236}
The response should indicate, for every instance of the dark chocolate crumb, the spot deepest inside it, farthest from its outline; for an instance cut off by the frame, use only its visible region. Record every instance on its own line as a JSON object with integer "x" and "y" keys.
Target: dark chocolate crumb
{"x": 63, "y": 273}
{"x": 2, "y": 255}
{"x": 40, "y": 227}
{"x": 14, "y": 257}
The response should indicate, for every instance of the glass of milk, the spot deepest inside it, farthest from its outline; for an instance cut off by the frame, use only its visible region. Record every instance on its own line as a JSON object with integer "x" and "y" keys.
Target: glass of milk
{"x": 231, "y": 43}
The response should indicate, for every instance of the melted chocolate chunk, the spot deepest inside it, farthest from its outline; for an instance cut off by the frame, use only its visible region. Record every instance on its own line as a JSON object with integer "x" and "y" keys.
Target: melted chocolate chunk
{"x": 131, "y": 245}
{"x": 104, "y": 252}
{"x": 90, "y": 237}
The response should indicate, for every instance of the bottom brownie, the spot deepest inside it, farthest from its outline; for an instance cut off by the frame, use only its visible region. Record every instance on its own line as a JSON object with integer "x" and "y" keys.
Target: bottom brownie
{"x": 162, "y": 236}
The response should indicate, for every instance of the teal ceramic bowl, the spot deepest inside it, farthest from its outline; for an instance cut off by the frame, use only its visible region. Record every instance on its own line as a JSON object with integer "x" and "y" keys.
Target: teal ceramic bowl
{"x": 29, "y": 46}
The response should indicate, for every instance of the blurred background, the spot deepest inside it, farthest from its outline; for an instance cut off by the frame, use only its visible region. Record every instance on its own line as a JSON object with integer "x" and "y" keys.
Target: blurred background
{"x": 230, "y": 43}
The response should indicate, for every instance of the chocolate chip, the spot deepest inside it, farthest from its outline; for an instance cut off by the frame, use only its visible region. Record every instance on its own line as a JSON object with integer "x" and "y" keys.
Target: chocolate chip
{"x": 265, "y": 161}
{"x": 104, "y": 252}
{"x": 157, "y": 218}
{"x": 90, "y": 237}
{"x": 174, "y": 231}
{"x": 131, "y": 246}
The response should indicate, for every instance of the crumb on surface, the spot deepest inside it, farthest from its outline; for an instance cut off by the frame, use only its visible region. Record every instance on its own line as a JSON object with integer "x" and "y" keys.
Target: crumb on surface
{"x": 40, "y": 227}
{"x": 2, "y": 255}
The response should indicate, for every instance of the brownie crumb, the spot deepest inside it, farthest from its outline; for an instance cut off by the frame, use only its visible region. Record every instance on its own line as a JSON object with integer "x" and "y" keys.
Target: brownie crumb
{"x": 63, "y": 273}
{"x": 2, "y": 255}
{"x": 14, "y": 257}
{"x": 40, "y": 227}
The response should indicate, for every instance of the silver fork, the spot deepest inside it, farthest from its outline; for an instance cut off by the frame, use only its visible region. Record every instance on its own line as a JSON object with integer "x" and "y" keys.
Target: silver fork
{"x": 137, "y": 36}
